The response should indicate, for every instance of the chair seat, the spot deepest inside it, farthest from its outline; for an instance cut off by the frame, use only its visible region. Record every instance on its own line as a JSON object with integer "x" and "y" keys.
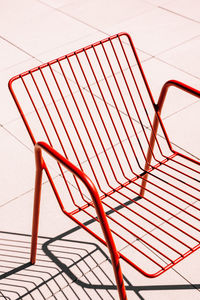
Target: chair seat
{"x": 157, "y": 231}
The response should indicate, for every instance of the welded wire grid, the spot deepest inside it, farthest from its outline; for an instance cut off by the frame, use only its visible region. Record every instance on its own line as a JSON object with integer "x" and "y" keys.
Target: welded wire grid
{"x": 94, "y": 106}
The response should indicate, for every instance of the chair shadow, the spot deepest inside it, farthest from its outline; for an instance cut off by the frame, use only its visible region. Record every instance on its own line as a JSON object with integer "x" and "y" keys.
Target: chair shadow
{"x": 65, "y": 268}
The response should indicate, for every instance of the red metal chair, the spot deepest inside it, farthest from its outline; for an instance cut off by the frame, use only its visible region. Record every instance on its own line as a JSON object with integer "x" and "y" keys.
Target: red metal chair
{"x": 95, "y": 115}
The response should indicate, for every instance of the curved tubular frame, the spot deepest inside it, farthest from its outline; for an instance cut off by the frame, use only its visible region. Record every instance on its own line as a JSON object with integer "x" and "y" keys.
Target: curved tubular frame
{"x": 157, "y": 120}
{"x": 40, "y": 165}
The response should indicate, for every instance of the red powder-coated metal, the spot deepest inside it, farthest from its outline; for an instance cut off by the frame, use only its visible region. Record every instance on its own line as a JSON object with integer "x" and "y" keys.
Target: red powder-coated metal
{"x": 114, "y": 162}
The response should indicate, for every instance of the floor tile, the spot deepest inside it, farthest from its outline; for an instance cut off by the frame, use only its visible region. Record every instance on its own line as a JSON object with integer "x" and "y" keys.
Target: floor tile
{"x": 187, "y": 9}
{"x": 46, "y": 277}
{"x": 21, "y": 209}
{"x": 56, "y": 3}
{"x": 8, "y": 111}
{"x": 183, "y": 129}
{"x": 28, "y": 10}
{"x": 17, "y": 168}
{"x": 189, "y": 269}
{"x": 98, "y": 283}
{"x": 140, "y": 287}
{"x": 185, "y": 57}
{"x": 157, "y": 2}
{"x": 18, "y": 130}
{"x": 107, "y": 13}
{"x": 34, "y": 30}
{"x": 68, "y": 47}
{"x": 157, "y": 73}
{"x": 82, "y": 42}
{"x": 10, "y": 55}
{"x": 158, "y": 30}
{"x": 79, "y": 275}
{"x": 170, "y": 284}
{"x": 182, "y": 292}
{"x": 71, "y": 264}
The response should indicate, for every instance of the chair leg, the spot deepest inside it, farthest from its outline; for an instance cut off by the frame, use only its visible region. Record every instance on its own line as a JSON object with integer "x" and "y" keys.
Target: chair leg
{"x": 36, "y": 208}
{"x": 114, "y": 255}
{"x": 155, "y": 125}
{"x": 143, "y": 185}
{"x": 149, "y": 154}
{"x": 120, "y": 281}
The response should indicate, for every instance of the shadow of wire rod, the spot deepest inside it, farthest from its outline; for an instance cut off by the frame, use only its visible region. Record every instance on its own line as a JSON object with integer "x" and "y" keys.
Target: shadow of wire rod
{"x": 65, "y": 269}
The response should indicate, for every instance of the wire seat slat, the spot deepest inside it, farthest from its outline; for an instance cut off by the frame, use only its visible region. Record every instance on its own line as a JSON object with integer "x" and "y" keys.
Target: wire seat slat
{"x": 94, "y": 125}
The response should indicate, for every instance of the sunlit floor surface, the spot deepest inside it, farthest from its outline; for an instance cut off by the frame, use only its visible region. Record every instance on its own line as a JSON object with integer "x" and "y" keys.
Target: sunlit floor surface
{"x": 70, "y": 263}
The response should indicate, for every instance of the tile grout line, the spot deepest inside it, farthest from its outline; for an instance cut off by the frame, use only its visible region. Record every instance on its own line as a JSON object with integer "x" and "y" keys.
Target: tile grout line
{"x": 64, "y": 13}
{"x": 176, "y": 46}
{"x": 14, "y": 45}
{"x": 180, "y": 110}
{"x": 178, "y": 14}
{"x": 16, "y": 138}
{"x": 175, "y": 67}
{"x": 29, "y": 191}
{"x": 20, "y": 63}
{"x": 82, "y": 22}
{"x": 192, "y": 284}
{"x": 15, "y": 198}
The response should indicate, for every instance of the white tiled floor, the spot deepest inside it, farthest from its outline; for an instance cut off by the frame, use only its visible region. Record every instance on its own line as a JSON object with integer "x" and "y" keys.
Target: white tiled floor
{"x": 166, "y": 34}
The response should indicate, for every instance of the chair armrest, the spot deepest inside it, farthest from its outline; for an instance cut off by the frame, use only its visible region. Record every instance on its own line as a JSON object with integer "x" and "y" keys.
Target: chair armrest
{"x": 67, "y": 164}
{"x": 40, "y": 165}
{"x": 180, "y": 85}
{"x": 157, "y": 120}
{"x": 76, "y": 172}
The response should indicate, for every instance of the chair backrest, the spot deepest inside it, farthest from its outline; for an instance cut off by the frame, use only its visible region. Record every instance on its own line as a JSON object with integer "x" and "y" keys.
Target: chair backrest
{"x": 95, "y": 107}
